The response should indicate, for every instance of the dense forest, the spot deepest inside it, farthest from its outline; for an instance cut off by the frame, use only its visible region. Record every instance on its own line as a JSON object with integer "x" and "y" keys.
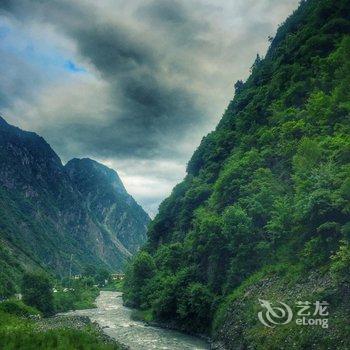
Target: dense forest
{"x": 264, "y": 209}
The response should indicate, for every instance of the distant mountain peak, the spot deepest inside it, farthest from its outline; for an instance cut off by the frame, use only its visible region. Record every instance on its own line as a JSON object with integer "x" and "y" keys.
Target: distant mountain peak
{"x": 3, "y": 121}
{"x": 5, "y": 125}
{"x": 91, "y": 169}
{"x": 107, "y": 197}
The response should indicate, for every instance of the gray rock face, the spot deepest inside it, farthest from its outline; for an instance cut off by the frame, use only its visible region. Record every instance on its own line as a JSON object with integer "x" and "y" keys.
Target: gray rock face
{"x": 53, "y": 213}
{"x": 107, "y": 198}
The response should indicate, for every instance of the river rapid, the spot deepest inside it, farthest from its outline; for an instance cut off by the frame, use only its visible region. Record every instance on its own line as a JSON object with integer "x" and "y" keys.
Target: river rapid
{"x": 115, "y": 319}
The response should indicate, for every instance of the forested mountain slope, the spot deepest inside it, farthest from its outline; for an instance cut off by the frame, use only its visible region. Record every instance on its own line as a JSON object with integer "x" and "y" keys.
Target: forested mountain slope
{"x": 264, "y": 209}
{"x": 56, "y": 217}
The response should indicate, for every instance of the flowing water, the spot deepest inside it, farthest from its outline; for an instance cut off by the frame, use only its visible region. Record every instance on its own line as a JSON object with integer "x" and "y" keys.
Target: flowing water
{"x": 115, "y": 319}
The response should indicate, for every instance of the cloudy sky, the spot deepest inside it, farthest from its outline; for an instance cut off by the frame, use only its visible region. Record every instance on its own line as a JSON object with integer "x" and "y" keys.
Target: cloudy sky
{"x": 134, "y": 84}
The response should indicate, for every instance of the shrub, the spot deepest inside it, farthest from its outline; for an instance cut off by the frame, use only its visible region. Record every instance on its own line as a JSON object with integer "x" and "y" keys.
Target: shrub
{"x": 18, "y": 308}
{"x": 37, "y": 292}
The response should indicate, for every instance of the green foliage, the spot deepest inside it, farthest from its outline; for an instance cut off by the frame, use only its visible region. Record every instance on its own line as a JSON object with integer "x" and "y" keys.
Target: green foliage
{"x": 17, "y": 333}
{"x": 114, "y": 286}
{"x": 195, "y": 307}
{"x": 139, "y": 272}
{"x": 169, "y": 257}
{"x": 10, "y": 272}
{"x": 142, "y": 315}
{"x": 17, "y": 308}
{"x": 7, "y": 287}
{"x": 96, "y": 275}
{"x": 269, "y": 189}
{"x": 37, "y": 292}
{"x": 341, "y": 264}
{"x": 62, "y": 339}
{"x": 79, "y": 296}
{"x": 228, "y": 186}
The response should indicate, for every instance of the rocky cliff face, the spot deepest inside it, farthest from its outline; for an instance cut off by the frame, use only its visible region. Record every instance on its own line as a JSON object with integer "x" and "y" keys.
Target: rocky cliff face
{"x": 107, "y": 199}
{"x": 50, "y": 213}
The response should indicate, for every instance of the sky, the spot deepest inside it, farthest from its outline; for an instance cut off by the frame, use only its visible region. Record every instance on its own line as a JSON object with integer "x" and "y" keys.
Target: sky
{"x": 133, "y": 84}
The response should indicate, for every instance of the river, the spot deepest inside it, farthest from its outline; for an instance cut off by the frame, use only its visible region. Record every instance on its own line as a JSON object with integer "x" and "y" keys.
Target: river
{"x": 115, "y": 319}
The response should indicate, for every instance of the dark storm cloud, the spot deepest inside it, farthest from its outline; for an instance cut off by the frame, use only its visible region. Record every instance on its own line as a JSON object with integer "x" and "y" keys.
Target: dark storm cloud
{"x": 150, "y": 106}
{"x": 151, "y": 109}
{"x": 168, "y": 12}
{"x": 6, "y": 5}
{"x": 111, "y": 49}
{"x": 175, "y": 17}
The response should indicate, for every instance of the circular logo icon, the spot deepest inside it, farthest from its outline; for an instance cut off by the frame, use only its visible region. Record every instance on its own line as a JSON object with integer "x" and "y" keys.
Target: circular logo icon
{"x": 274, "y": 315}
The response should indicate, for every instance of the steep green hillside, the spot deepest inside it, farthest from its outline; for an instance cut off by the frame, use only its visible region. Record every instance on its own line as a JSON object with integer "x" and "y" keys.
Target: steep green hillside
{"x": 52, "y": 219}
{"x": 10, "y": 272}
{"x": 264, "y": 209}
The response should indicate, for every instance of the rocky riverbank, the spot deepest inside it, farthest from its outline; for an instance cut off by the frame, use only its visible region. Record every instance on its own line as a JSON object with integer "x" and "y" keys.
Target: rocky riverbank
{"x": 174, "y": 327}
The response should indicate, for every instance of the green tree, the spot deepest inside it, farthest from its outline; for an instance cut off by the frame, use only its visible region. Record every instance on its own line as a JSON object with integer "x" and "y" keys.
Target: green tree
{"x": 238, "y": 86}
{"x": 7, "y": 287}
{"x": 89, "y": 271}
{"x": 341, "y": 264}
{"x": 195, "y": 307}
{"x": 138, "y": 275}
{"x": 37, "y": 292}
{"x": 170, "y": 257}
{"x": 102, "y": 276}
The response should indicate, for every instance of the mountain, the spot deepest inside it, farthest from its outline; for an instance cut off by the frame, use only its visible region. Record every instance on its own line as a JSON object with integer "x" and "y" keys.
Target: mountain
{"x": 106, "y": 197}
{"x": 264, "y": 212}
{"x": 56, "y": 216}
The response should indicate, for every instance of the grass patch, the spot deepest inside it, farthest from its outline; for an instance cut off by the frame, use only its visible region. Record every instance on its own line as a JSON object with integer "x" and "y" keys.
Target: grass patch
{"x": 19, "y": 333}
{"x": 142, "y": 315}
{"x": 61, "y": 339}
{"x": 18, "y": 308}
{"x": 77, "y": 299}
{"x": 114, "y": 286}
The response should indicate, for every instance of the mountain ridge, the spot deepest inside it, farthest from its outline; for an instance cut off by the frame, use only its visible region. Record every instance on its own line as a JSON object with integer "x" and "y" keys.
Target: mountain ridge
{"x": 105, "y": 186}
{"x": 46, "y": 214}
